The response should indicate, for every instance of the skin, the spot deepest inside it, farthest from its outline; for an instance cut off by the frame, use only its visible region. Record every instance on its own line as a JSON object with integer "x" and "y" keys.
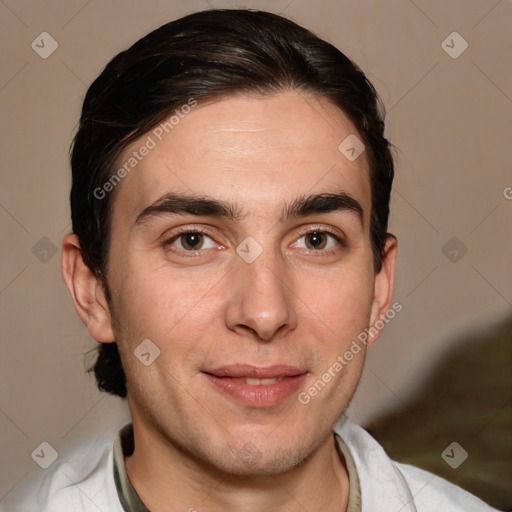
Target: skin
{"x": 295, "y": 304}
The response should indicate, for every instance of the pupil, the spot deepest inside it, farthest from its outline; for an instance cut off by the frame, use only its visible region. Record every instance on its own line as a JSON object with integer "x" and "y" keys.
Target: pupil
{"x": 192, "y": 240}
{"x": 317, "y": 240}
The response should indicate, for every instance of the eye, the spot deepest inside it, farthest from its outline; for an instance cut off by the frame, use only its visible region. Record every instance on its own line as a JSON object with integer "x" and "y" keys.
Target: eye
{"x": 192, "y": 241}
{"x": 317, "y": 241}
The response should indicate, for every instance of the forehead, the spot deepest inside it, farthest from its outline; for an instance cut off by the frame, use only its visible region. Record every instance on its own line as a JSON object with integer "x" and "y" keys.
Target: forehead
{"x": 255, "y": 151}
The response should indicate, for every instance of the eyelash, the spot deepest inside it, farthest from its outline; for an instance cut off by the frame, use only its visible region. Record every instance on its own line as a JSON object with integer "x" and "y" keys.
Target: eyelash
{"x": 329, "y": 233}
{"x": 168, "y": 242}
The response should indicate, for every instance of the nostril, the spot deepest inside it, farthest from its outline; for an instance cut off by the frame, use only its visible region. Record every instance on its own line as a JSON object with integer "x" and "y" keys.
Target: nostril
{"x": 260, "y": 333}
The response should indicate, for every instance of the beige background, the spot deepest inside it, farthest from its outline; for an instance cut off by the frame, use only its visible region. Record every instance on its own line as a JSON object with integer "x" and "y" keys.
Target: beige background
{"x": 449, "y": 118}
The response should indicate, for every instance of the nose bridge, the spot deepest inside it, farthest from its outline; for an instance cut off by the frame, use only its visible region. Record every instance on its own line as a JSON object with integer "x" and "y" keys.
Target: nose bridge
{"x": 262, "y": 301}
{"x": 266, "y": 280}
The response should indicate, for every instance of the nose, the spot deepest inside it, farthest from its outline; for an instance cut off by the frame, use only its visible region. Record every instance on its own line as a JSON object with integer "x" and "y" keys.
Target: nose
{"x": 261, "y": 302}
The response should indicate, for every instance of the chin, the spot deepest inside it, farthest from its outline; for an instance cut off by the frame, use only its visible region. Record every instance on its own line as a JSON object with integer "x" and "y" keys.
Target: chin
{"x": 253, "y": 459}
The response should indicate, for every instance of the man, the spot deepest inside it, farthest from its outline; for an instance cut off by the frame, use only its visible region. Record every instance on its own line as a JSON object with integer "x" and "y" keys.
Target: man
{"x": 230, "y": 202}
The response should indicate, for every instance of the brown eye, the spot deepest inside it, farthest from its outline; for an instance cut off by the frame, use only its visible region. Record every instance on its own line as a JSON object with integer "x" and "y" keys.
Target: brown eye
{"x": 316, "y": 240}
{"x": 192, "y": 241}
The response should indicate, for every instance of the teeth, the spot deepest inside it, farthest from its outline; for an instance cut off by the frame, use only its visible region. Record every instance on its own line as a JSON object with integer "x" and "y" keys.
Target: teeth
{"x": 260, "y": 382}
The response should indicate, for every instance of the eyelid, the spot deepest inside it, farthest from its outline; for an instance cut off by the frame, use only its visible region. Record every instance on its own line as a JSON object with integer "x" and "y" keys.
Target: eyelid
{"x": 183, "y": 230}
{"x": 332, "y": 237}
{"x": 169, "y": 239}
{"x": 337, "y": 234}
{"x": 332, "y": 234}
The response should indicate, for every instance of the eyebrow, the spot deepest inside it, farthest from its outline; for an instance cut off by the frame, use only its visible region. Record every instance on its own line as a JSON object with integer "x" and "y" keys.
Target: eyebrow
{"x": 203, "y": 206}
{"x": 192, "y": 205}
{"x": 324, "y": 203}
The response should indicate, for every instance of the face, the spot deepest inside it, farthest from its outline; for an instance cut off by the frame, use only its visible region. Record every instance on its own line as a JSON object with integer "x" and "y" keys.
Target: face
{"x": 241, "y": 249}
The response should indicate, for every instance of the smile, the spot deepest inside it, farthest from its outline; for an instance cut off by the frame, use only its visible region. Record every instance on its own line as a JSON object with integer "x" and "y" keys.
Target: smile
{"x": 257, "y": 386}
{"x": 260, "y": 382}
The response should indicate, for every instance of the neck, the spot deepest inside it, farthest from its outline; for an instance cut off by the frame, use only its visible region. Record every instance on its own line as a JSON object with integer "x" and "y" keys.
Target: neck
{"x": 167, "y": 480}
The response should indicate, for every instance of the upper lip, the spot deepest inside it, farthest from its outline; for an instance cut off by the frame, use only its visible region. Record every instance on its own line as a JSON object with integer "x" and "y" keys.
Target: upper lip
{"x": 256, "y": 372}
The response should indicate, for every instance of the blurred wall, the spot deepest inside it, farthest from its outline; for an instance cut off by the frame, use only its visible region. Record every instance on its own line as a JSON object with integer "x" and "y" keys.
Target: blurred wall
{"x": 449, "y": 115}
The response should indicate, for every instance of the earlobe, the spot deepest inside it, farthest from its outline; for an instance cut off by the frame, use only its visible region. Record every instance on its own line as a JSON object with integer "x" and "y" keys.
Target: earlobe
{"x": 384, "y": 282}
{"x": 86, "y": 291}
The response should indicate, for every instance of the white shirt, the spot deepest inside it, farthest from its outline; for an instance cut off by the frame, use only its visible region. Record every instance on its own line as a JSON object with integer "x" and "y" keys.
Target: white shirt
{"x": 84, "y": 481}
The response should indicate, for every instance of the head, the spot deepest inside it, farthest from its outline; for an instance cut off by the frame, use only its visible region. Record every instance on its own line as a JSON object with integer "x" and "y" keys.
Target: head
{"x": 215, "y": 212}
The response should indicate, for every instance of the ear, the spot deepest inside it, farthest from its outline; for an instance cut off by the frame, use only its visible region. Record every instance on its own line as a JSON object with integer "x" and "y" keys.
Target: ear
{"x": 86, "y": 291}
{"x": 384, "y": 282}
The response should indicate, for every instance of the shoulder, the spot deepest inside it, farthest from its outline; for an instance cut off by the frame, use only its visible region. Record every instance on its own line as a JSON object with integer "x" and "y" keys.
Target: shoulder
{"x": 432, "y": 492}
{"x": 386, "y": 484}
{"x": 81, "y": 480}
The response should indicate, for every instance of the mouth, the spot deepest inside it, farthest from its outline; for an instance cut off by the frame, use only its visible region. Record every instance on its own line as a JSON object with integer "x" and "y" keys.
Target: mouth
{"x": 259, "y": 382}
{"x": 257, "y": 386}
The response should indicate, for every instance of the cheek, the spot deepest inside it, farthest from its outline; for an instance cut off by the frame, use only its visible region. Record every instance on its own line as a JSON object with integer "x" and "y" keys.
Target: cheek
{"x": 341, "y": 300}
{"x": 176, "y": 316}
{"x": 162, "y": 305}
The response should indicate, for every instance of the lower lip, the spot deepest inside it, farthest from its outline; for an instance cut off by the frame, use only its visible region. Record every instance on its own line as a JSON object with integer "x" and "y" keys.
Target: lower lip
{"x": 259, "y": 395}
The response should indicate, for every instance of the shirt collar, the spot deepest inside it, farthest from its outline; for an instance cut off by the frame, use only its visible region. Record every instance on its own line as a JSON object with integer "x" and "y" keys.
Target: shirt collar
{"x": 130, "y": 501}
{"x": 354, "y": 496}
{"x": 123, "y": 447}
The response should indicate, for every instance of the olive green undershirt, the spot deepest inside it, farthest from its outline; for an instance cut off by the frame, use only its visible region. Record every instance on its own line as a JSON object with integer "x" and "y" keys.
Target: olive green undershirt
{"x": 124, "y": 445}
